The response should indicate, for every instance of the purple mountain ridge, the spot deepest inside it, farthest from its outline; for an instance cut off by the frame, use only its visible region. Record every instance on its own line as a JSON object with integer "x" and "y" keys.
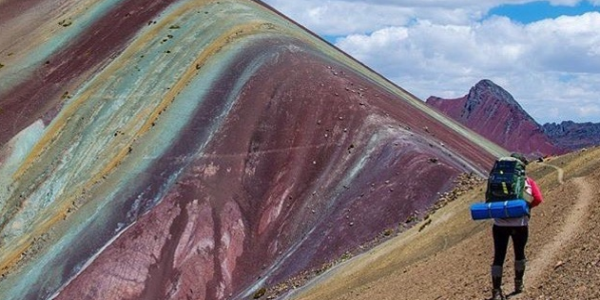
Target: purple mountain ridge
{"x": 573, "y": 136}
{"x": 491, "y": 111}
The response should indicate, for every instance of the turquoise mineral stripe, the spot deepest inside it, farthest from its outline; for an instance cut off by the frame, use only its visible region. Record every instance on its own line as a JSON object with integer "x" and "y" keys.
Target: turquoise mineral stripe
{"x": 23, "y": 143}
{"x": 37, "y": 56}
{"x": 149, "y": 147}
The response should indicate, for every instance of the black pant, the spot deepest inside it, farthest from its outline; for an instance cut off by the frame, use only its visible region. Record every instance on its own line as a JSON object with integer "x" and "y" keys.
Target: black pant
{"x": 501, "y": 235}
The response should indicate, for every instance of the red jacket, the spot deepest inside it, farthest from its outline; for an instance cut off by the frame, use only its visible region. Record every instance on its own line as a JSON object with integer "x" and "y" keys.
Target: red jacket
{"x": 535, "y": 192}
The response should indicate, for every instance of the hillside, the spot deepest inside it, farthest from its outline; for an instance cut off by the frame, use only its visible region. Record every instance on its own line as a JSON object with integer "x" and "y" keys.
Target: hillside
{"x": 193, "y": 149}
{"x": 448, "y": 256}
{"x": 491, "y": 111}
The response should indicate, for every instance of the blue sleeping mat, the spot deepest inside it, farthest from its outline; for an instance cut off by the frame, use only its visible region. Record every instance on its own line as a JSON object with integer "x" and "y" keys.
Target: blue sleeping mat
{"x": 502, "y": 209}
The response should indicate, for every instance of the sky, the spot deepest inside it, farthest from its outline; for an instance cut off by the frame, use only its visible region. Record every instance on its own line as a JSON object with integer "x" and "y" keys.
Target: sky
{"x": 546, "y": 54}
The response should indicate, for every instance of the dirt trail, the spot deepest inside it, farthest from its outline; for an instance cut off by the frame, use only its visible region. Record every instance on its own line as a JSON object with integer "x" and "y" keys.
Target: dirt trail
{"x": 561, "y": 172}
{"x": 573, "y": 224}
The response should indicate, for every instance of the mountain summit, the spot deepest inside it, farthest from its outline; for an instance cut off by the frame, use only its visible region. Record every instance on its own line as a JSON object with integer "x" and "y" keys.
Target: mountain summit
{"x": 491, "y": 111}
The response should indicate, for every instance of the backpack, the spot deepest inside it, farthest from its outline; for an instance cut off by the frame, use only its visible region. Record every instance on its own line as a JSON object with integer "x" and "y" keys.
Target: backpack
{"x": 506, "y": 180}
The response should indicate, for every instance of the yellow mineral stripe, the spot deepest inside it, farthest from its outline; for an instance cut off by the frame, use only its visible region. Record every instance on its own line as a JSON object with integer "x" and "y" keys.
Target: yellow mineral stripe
{"x": 12, "y": 254}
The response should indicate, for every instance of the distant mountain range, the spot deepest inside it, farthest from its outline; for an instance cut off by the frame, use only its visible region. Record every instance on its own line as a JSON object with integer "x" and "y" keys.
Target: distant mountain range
{"x": 573, "y": 136}
{"x": 491, "y": 111}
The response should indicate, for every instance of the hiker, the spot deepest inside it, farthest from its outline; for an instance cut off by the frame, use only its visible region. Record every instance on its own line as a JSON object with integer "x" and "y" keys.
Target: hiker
{"x": 518, "y": 230}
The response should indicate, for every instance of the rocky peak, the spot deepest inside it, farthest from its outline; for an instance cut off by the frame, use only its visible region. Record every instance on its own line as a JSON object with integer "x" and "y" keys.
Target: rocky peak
{"x": 488, "y": 89}
{"x": 493, "y": 112}
{"x": 488, "y": 93}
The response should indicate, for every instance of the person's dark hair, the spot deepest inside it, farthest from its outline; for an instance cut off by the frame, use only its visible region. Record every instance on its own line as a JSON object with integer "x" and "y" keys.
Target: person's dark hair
{"x": 520, "y": 157}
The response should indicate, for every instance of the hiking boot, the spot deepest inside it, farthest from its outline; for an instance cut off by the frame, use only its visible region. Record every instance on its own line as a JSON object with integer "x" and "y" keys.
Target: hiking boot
{"x": 519, "y": 274}
{"x": 519, "y": 286}
{"x": 497, "y": 283}
{"x": 497, "y": 295}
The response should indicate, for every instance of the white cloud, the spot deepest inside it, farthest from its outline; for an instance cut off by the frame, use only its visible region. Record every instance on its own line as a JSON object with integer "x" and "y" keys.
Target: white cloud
{"x": 564, "y": 2}
{"x": 442, "y": 48}
{"x": 344, "y": 17}
{"x": 530, "y": 61}
{"x": 569, "y": 44}
{"x": 590, "y": 110}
